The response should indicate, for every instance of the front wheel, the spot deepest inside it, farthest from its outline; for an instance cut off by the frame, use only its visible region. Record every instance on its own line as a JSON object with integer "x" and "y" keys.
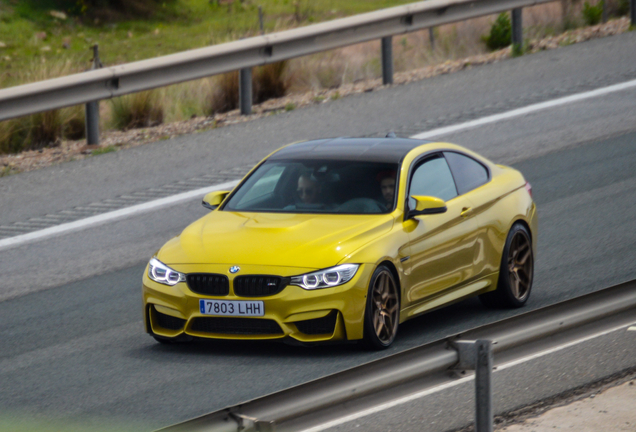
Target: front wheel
{"x": 516, "y": 271}
{"x": 382, "y": 314}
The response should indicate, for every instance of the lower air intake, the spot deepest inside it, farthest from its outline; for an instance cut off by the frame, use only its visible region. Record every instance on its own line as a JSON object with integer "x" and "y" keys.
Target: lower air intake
{"x": 324, "y": 325}
{"x": 169, "y": 322}
{"x": 237, "y": 326}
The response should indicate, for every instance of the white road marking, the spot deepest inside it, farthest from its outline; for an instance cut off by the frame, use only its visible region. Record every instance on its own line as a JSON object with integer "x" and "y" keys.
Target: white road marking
{"x": 526, "y": 110}
{"x": 632, "y": 328}
{"x": 113, "y": 215}
{"x": 174, "y": 199}
{"x": 460, "y": 381}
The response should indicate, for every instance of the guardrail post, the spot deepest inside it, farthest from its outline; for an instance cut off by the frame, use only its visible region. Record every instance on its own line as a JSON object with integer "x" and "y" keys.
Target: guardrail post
{"x": 477, "y": 355}
{"x": 632, "y": 11}
{"x": 387, "y": 60}
{"x": 245, "y": 91}
{"x": 92, "y": 108}
{"x": 260, "y": 19}
{"x": 604, "y": 15}
{"x": 483, "y": 386}
{"x": 431, "y": 37}
{"x": 517, "y": 32}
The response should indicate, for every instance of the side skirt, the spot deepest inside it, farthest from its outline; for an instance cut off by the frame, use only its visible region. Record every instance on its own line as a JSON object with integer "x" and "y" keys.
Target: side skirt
{"x": 450, "y": 296}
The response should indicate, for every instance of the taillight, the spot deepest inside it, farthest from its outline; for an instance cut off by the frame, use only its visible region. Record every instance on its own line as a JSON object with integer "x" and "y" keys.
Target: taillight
{"x": 529, "y": 188}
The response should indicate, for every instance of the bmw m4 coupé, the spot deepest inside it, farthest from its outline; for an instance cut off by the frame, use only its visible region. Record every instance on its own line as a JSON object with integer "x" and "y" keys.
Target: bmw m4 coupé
{"x": 344, "y": 239}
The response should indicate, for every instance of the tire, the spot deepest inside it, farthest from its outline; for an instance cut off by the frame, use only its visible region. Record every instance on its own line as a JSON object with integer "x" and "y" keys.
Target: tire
{"x": 382, "y": 312}
{"x": 515, "y": 273}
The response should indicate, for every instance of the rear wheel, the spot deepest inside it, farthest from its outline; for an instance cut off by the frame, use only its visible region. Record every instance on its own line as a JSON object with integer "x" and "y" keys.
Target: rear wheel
{"x": 516, "y": 271}
{"x": 382, "y": 314}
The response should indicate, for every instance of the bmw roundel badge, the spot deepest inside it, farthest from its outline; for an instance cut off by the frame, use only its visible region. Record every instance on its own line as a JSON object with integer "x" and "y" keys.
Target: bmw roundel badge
{"x": 234, "y": 269}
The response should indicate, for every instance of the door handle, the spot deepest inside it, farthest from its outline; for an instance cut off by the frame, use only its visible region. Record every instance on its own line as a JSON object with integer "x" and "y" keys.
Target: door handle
{"x": 466, "y": 211}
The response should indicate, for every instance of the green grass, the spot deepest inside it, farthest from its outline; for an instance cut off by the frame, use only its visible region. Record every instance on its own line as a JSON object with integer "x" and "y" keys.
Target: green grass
{"x": 104, "y": 150}
{"x": 29, "y": 30}
{"x": 7, "y": 171}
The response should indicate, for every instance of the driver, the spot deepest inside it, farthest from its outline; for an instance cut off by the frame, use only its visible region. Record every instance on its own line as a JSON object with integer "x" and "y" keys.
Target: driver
{"x": 308, "y": 189}
{"x": 387, "y": 186}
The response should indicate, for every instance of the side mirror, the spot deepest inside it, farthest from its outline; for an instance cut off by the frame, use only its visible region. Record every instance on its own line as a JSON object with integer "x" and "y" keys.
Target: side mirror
{"x": 426, "y": 205}
{"x": 214, "y": 199}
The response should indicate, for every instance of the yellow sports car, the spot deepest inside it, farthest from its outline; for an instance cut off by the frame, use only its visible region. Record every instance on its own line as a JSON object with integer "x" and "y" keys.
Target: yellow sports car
{"x": 344, "y": 239}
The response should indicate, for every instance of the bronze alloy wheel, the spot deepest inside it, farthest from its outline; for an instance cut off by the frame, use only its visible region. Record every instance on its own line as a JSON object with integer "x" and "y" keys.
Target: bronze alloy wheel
{"x": 520, "y": 265}
{"x": 515, "y": 273}
{"x": 385, "y": 307}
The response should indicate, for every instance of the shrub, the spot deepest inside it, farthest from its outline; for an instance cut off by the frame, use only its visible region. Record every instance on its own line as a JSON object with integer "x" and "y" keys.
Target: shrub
{"x": 137, "y": 110}
{"x": 224, "y": 94}
{"x": 622, "y": 8}
{"x": 45, "y": 130}
{"x": 74, "y": 127}
{"x": 500, "y": 35}
{"x": 13, "y": 135}
{"x": 268, "y": 82}
{"x": 41, "y": 130}
{"x": 271, "y": 81}
{"x": 112, "y": 9}
{"x": 592, "y": 15}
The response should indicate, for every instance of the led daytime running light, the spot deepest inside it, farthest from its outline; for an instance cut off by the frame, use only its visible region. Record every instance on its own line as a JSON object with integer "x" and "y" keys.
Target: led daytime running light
{"x": 326, "y": 278}
{"x": 161, "y": 273}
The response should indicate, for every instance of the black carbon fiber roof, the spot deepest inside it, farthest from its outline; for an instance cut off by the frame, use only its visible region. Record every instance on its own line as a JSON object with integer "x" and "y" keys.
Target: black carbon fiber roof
{"x": 364, "y": 149}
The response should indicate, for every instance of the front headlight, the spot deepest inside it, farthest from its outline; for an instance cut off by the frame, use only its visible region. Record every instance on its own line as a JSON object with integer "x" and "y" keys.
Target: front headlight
{"x": 326, "y": 278}
{"x": 159, "y": 272}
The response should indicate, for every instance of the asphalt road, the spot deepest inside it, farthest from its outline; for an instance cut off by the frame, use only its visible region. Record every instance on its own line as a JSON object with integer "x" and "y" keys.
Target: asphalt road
{"x": 72, "y": 345}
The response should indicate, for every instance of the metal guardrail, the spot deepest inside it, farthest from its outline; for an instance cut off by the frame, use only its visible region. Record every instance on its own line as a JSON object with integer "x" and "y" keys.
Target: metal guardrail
{"x": 348, "y": 387}
{"x": 128, "y": 78}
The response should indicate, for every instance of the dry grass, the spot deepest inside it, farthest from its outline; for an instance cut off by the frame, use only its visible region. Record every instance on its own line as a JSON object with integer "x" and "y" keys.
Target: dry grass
{"x": 137, "y": 110}
{"x": 324, "y": 71}
{"x": 223, "y": 94}
{"x": 45, "y": 129}
{"x": 271, "y": 81}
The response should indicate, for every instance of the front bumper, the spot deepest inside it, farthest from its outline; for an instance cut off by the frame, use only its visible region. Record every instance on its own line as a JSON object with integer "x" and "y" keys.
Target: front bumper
{"x": 326, "y": 314}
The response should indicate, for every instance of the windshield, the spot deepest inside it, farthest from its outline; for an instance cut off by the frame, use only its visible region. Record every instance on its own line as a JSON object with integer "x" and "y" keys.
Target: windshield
{"x": 318, "y": 186}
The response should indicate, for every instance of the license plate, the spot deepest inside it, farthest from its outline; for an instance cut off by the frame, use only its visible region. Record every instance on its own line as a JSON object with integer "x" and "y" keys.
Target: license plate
{"x": 232, "y": 308}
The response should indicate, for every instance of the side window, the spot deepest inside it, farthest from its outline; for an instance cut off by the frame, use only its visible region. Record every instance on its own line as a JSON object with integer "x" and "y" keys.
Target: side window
{"x": 432, "y": 178}
{"x": 469, "y": 174}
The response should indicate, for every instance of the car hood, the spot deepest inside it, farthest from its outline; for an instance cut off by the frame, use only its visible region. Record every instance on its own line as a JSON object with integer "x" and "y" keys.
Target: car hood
{"x": 277, "y": 239}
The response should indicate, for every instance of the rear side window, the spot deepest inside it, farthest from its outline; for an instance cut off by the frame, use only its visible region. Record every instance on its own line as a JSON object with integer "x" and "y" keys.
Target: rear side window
{"x": 468, "y": 173}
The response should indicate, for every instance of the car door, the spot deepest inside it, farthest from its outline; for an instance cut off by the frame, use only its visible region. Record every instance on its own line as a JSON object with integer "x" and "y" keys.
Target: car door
{"x": 472, "y": 178}
{"x": 441, "y": 245}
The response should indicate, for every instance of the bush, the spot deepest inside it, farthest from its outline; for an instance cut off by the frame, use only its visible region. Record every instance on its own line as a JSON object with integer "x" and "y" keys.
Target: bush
{"x": 74, "y": 127}
{"x": 500, "y": 33}
{"x": 268, "y": 82}
{"x": 592, "y": 15}
{"x": 108, "y": 10}
{"x": 622, "y": 8}
{"x": 224, "y": 94}
{"x": 271, "y": 81}
{"x": 137, "y": 110}
{"x": 45, "y": 130}
{"x": 13, "y": 135}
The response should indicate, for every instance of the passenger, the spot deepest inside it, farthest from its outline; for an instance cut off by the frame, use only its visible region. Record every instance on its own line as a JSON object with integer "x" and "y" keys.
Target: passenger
{"x": 308, "y": 189}
{"x": 387, "y": 187}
